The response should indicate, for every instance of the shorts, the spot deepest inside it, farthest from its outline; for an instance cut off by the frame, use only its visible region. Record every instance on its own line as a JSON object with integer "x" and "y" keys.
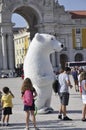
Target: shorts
{"x": 64, "y": 98}
{"x": 29, "y": 108}
{"x": 84, "y": 99}
{"x": 7, "y": 110}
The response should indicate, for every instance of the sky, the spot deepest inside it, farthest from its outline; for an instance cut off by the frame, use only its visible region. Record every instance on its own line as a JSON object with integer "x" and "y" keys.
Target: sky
{"x": 73, "y": 4}
{"x": 68, "y": 4}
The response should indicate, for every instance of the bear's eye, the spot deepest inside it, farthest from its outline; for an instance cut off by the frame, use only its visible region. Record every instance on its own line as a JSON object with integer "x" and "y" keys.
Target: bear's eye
{"x": 52, "y": 38}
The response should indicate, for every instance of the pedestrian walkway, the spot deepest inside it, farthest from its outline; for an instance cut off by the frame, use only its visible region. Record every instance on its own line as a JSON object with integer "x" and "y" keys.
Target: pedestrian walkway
{"x": 47, "y": 121}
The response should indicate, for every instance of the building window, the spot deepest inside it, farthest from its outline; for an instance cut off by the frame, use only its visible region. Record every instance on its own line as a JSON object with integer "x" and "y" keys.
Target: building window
{"x": 78, "y": 42}
{"x": 17, "y": 52}
{"x": 78, "y": 39}
{"x": 20, "y": 51}
{"x": 78, "y": 31}
{"x": 23, "y": 50}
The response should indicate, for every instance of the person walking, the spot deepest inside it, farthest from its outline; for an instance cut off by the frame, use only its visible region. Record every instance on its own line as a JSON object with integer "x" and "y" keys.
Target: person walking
{"x": 64, "y": 92}
{"x": 74, "y": 73}
{"x": 79, "y": 79}
{"x": 83, "y": 85}
{"x": 28, "y": 95}
{"x": 7, "y": 105}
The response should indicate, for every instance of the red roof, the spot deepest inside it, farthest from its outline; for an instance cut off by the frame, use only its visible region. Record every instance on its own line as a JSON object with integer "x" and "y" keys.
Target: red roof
{"x": 78, "y": 14}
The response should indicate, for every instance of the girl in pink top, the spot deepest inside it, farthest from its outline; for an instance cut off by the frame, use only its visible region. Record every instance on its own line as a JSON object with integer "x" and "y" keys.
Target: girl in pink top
{"x": 28, "y": 94}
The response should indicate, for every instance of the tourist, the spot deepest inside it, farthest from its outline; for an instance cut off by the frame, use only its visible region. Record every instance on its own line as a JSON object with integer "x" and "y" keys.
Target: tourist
{"x": 28, "y": 94}
{"x": 64, "y": 93}
{"x": 83, "y": 85}
{"x": 7, "y": 105}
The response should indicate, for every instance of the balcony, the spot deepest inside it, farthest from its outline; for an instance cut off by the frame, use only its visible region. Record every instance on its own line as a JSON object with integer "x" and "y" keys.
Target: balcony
{"x": 78, "y": 48}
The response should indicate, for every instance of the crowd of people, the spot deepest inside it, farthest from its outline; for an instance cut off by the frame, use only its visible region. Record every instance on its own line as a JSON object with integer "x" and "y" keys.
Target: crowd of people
{"x": 28, "y": 94}
{"x": 79, "y": 77}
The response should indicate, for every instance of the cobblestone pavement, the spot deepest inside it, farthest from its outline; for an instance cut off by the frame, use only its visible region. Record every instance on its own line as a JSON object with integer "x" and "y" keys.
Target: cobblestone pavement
{"x": 47, "y": 121}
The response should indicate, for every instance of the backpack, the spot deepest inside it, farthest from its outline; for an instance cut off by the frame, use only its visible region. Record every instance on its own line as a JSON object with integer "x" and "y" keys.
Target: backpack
{"x": 56, "y": 86}
{"x": 28, "y": 98}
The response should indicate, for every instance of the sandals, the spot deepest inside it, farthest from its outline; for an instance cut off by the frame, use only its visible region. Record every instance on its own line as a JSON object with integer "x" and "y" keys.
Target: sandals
{"x": 83, "y": 119}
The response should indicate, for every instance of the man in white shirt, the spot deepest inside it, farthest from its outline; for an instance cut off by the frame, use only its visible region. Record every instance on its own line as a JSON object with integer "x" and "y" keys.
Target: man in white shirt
{"x": 64, "y": 92}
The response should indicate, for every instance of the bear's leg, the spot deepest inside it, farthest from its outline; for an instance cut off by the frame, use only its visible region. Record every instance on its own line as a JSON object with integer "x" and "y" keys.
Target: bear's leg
{"x": 48, "y": 102}
{"x": 43, "y": 100}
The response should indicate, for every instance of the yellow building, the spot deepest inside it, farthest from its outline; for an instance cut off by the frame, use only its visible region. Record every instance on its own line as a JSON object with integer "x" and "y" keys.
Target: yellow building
{"x": 79, "y": 35}
{"x": 74, "y": 39}
{"x": 21, "y": 43}
{"x": 79, "y": 38}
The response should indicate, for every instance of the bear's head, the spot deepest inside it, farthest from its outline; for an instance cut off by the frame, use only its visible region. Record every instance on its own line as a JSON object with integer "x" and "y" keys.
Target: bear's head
{"x": 47, "y": 42}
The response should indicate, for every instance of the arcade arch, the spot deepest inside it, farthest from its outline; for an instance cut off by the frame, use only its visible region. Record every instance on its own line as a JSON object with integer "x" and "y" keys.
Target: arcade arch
{"x": 63, "y": 60}
{"x": 78, "y": 57}
{"x": 31, "y": 16}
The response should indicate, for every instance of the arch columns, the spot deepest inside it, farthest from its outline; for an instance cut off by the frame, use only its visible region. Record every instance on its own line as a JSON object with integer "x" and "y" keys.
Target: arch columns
{"x": 7, "y": 51}
{"x": 10, "y": 49}
{"x": 4, "y": 52}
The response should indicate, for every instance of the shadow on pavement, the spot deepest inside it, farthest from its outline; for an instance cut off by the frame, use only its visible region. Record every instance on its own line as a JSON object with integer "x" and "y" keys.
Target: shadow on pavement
{"x": 74, "y": 111}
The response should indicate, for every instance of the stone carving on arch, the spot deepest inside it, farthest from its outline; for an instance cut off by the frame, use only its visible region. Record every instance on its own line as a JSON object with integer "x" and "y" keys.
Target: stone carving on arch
{"x": 47, "y": 2}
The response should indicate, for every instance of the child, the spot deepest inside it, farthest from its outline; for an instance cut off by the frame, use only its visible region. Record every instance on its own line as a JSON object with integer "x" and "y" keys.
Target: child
{"x": 83, "y": 84}
{"x": 0, "y": 106}
{"x": 28, "y": 95}
{"x": 7, "y": 105}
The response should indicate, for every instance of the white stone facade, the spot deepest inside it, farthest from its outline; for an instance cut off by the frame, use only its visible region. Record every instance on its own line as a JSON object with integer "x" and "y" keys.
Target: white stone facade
{"x": 43, "y": 16}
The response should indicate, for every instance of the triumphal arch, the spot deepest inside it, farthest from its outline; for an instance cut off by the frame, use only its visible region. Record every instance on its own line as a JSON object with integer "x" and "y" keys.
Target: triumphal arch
{"x": 43, "y": 16}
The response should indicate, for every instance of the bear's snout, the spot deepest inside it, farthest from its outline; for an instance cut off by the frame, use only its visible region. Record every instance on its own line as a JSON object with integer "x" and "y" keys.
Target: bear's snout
{"x": 62, "y": 45}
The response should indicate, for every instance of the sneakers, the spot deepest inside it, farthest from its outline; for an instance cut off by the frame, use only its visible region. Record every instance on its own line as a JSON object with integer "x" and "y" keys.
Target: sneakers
{"x": 60, "y": 116}
{"x": 67, "y": 119}
{"x": 3, "y": 124}
{"x": 7, "y": 124}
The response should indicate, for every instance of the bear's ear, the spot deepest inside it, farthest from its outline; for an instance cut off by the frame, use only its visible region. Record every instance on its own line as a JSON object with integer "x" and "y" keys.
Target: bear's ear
{"x": 38, "y": 37}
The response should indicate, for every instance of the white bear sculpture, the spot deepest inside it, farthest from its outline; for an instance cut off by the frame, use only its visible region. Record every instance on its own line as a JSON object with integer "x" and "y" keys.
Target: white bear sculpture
{"x": 38, "y": 68}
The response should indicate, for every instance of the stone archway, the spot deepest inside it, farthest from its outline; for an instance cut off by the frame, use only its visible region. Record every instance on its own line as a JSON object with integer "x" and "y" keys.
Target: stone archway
{"x": 41, "y": 15}
{"x": 32, "y": 17}
{"x": 31, "y": 12}
{"x": 63, "y": 60}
